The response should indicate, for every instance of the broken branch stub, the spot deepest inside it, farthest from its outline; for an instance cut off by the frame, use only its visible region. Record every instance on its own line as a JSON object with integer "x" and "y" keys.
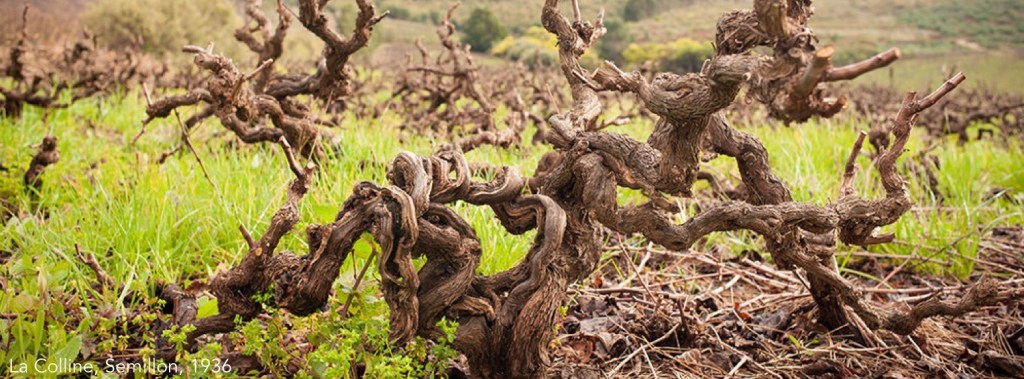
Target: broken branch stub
{"x": 505, "y": 320}
{"x": 242, "y": 106}
{"x": 450, "y": 95}
{"x": 791, "y": 84}
{"x": 40, "y": 76}
{"x": 241, "y": 109}
{"x": 47, "y": 155}
{"x": 332, "y": 78}
{"x": 593, "y": 164}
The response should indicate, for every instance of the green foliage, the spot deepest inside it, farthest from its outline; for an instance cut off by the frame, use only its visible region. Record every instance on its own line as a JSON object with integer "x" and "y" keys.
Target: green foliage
{"x": 148, "y": 223}
{"x": 948, "y": 231}
{"x": 516, "y": 16}
{"x": 264, "y": 339}
{"x": 536, "y": 47}
{"x": 636, "y": 10}
{"x": 399, "y": 13}
{"x": 177, "y": 336}
{"x": 989, "y": 22}
{"x": 482, "y": 30}
{"x": 681, "y": 55}
{"x": 801, "y": 346}
{"x": 162, "y": 27}
{"x": 614, "y": 43}
{"x": 344, "y": 16}
{"x": 265, "y": 297}
{"x": 360, "y": 345}
{"x": 876, "y": 26}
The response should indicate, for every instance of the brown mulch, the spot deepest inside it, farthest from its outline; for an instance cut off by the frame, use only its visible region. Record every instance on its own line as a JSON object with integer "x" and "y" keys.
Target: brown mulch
{"x": 706, "y": 314}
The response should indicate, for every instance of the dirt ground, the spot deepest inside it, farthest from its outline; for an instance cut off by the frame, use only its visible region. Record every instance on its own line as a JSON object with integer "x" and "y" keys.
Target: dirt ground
{"x": 741, "y": 317}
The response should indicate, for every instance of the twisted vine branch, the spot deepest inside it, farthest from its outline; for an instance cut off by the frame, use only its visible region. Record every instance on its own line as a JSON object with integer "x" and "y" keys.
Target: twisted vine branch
{"x": 505, "y": 319}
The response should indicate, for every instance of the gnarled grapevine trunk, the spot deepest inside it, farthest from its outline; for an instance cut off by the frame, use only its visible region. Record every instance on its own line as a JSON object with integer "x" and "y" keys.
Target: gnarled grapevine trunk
{"x": 505, "y": 320}
{"x": 243, "y": 108}
{"x": 40, "y": 77}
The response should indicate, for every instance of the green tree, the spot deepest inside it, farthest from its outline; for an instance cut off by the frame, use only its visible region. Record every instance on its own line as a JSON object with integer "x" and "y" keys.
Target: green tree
{"x": 162, "y": 27}
{"x": 615, "y": 41}
{"x": 399, "y": 13}
{"x": 679, "y": 56}
{"x": 636, "y": 10}
{"x": 483, "y": 29}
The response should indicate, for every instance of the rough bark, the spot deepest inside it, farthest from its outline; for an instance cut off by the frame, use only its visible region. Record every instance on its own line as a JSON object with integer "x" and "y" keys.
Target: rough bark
{"x": 270, "y": 44}
{"x": 40, "y": 76}
{"x": 243, "y": 108}
{"x": 505, "y": 320}
{"x": 792, "y": 84}
{"x": 47, "y": 155}
{"x": 332, "y": 79}
{"x": 798, "y": 235}
{"x": 239, "y": 107}
{"x": 448, "y": 94}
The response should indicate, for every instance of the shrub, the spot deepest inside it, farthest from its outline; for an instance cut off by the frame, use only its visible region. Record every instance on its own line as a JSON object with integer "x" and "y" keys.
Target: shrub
{"x": 537, "y": 46}
{"x": 681, "y": 55}
{"x": 482, "y": 30}
{"x": 342, "y": 344}
{"x": 636, "y": 10}
{"x": 399, "y": 13}
{"x": 162, "y": 27}
{"x": 612, "y": 45}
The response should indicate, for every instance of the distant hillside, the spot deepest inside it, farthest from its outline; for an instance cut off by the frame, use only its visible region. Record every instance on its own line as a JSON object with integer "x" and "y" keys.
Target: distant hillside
{"x": 50, "y": 21}
{"x": 990, "y": 23}
{"x": 984, "y": 35}
{"x": 50, "y": 6}
{"x": 858, "y": 28}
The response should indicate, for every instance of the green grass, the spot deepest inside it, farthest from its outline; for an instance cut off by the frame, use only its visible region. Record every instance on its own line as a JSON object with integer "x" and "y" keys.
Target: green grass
{"x": 148, "y": 223}
{"x": 997, "y": 71}
{"x": 810, "y": 159}
{"x": 980, "y": 38}
{"x": 867, "y": 20}
{"x": 991, "y": 23}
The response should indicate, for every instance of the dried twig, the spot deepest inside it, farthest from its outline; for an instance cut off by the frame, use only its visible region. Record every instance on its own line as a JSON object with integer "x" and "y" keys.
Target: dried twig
{"x": 102, "y": 278}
